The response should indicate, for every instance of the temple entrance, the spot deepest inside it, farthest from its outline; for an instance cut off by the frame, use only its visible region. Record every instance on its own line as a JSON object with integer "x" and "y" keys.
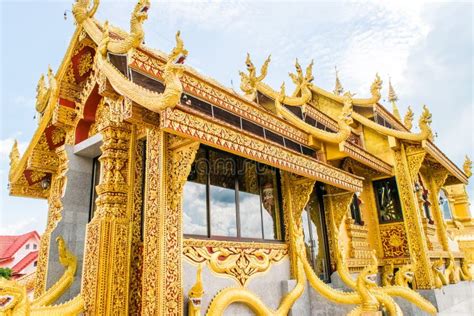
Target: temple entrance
{"x": 315, "y": 233}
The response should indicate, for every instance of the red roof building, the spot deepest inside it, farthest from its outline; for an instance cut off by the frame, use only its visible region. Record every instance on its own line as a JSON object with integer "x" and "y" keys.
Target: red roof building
{"x": 19, "y": 253}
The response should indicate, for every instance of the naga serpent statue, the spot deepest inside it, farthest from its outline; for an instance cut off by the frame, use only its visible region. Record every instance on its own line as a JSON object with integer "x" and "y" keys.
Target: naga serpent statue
{"x": 383, "y": 294}
{"x": 251, "y": 84}
{"x": 405, "y": 275}
{"x": 81, "y": 10}
{"x": 465, "y": 272}
{"x": 14, "y": 299}
{"x": 439, "y": 276}
{"x": 172, "y": 70}
{"x": 388, "y": 275}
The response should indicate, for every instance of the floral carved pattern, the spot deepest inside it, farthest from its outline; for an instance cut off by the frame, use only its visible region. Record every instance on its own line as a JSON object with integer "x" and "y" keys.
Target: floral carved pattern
{"x": 394, "y": 240}
{"x": 240, "y": 261}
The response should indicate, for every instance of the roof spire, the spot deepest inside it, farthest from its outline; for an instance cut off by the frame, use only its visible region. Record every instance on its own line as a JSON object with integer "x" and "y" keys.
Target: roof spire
{"x": 392, "y": 97}
{"x": 338, "y": 89}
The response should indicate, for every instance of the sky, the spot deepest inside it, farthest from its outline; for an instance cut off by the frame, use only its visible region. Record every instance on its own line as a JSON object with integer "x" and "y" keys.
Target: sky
{"x": 426, "y": 48}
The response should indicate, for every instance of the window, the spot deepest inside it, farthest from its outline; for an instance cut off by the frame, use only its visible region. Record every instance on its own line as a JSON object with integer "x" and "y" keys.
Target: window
{"x": 231, "y": 197}
{"x": 95, "y": 182}
{"x": 27, "y": 246}
{"x": 34, "y": 246}
{"x": 355, "y": 210}
{"x": 388, "y": 201}
{"x": 315, "y": 234}
{"x": 444, "y": 204}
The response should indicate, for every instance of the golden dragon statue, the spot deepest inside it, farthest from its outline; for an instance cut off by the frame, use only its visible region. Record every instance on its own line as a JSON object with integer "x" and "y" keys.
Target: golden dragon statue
{"x": 14, "y": 300}
{"x": 424, "y": 125}
{"x": 251, "y": 84}
{"x": 381, "y": 292}
{"x": 81, "y": 11}
{"x": 156, "y": 102}
{"x": 195, "y": 295}
{"x": 439, "y": 276}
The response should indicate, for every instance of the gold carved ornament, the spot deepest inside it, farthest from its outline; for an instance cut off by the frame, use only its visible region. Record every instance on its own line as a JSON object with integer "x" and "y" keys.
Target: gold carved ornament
{"x": 408, "y": 119}
{"x": 195, "y": 295}
{"x": 240, "y": 261}
{"x": 467, "y": 167}
{"x": 14, "y": 300}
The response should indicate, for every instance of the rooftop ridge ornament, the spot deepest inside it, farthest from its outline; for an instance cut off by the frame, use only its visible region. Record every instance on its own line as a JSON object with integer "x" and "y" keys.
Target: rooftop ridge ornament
{"x": 423, "y": 123}
{"x": 81, "y": 11}
{"x": 338, "y": 89}
{"x": 392, "y": 98}
{"x": 249, "y": 82}
{"x": 467, "y": 166}
{"x": 14, "y": 157}
{"x": 408, "y": 119}
{"x": 151, "y": 100}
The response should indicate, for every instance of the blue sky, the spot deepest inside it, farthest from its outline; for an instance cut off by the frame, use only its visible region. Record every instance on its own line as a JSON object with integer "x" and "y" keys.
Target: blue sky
{"x": 426, "y": 48}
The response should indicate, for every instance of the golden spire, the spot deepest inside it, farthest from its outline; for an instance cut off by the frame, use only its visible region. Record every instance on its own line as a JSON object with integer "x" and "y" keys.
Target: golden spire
{"x": 392, "y": 98}
{"x": 408, "y": 119}
{"x": 467, "y": 166}
{"x": 338, "y": 89}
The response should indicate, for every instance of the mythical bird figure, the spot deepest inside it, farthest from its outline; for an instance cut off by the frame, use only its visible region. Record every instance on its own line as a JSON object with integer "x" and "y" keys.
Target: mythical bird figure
{"x": 467, "y": 166}
{"x": 408, "y": 119}
{"x": 14, "y": 300}
{"x": 405, "y": 275}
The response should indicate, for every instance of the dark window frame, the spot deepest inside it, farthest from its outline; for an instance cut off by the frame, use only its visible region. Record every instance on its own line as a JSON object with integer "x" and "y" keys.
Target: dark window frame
{"x": 398, "y": 201}
{"x": 95, "y": 179}
{"x": 238, "y": 237}
{"x": 356, "y": 214}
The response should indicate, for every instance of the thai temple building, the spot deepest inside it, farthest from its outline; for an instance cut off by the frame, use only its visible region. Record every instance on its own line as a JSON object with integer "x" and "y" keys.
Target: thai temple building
{"x": 170, "y": 194}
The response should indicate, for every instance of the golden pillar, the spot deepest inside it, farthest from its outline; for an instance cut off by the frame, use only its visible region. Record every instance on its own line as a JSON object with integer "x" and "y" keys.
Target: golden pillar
{"x": 408, "y": 160}
{"x": 437, "y": 178}
{"x": 296, "y": 193}
{"x": 336, "y": 203}
{"x": 169, "y": 160}
{"x": 105, "y": 280}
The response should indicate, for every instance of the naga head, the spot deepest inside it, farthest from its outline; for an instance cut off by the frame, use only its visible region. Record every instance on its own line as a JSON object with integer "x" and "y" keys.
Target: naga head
{"x": 140, "y": 12}
{"x": 196, "y": 292}
{"x": 369, "y": 273}
{"x": 406, "y": 274}
{"x": 438, "y": 265}
{"x": 300, "y": 79}
{"x": 11, "y": 295}
{"x": 346, "y": 113}
{"x": 250, "y": 79}
{"x": 376, "y": 87}
{"x": 388, "y": 274}
{"x": 425, "y": 121}
{"x": 179, "y": 54}
{"x": 467, "y": 166}
{"x": 408, "y": 119}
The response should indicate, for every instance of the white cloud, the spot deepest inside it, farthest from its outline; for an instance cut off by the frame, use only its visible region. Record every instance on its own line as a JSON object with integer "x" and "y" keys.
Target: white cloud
{"x": 20, "y": 226}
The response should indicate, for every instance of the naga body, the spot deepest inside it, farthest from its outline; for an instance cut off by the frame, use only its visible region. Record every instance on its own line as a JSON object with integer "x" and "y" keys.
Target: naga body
{"x": 14, "y": 299}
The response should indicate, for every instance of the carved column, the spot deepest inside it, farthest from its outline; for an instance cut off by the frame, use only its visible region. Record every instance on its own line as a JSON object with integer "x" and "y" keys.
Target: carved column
{"x": 408, "y": 161}
{"x": 296, "y": 192}
{"x": 55, "y": 207}
{"x": 107, "y": 254}
{"x": 169, "y": 160}
{"x": 336, "y": 203}
{"x": 437, "y": 178}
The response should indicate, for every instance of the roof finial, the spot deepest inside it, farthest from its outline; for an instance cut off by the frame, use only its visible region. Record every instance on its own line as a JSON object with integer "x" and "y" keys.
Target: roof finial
{"x": 467, "y": 166}
{"x": 392, "y": 97}
{"x": 338, "y": 89}
{"x": 408, "y": 119}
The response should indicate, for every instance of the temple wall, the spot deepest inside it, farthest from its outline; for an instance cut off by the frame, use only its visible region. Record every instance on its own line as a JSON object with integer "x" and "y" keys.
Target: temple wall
{"x": 75, "y": 216}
